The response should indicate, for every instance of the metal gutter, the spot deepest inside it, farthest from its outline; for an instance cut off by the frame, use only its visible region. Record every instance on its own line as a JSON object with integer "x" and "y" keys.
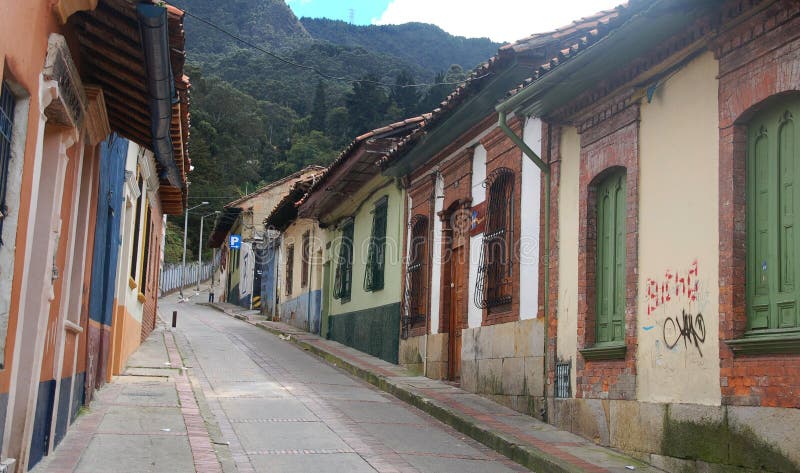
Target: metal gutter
{"x": 545, "y": 168}
{"x": 154, "y": 31}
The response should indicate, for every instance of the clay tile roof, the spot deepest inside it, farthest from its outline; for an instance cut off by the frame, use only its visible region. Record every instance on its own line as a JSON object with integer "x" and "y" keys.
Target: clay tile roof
{"x": 112, "y": 58}
{"x": 343, "y": 157}
{"x": 312, "y": 169}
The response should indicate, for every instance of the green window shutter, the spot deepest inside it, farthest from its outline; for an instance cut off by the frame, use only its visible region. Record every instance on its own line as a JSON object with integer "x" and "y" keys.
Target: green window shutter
{"x": 772, "y": 169}
{"x": 343, "y": 279}
{"x": 610, "y": 267}
{"x": 376, "y": 257}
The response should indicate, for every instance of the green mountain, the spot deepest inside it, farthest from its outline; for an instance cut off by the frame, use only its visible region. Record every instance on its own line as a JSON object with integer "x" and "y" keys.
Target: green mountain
{"x": 427, "y": 46}
{"x": 257, "y": 117}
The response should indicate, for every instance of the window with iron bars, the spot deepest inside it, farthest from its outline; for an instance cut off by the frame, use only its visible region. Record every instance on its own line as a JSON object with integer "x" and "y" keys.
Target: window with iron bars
{"x": 562, "y": 386}
{"x": 417, "y": 275}
{"x": 493, "y": 287}
{"x": 7, "y": 101}
{"x": 306, "y": 257}
{"x": 289, "y": 269}
{"x": 376, "y": 257}
{"x": 343, "y": 280}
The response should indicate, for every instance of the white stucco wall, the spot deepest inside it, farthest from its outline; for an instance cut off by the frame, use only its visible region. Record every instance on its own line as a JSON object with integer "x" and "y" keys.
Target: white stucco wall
{"x": 529, "y": 220}
{"x": 436, "y": 266}
{"x": 475, "y": 313}
{"x": 568, "y": 200}
{"x": 679, "y": 238}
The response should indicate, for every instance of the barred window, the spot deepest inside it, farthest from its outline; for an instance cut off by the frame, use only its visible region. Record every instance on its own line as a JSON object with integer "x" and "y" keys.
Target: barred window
{"x": 289, "y": 269}
{"x": 493, "y": 287}
{"x": 343, "y": 280}
{"x": 306, "y": 257}
{"x": 376, "y": 258}
{"x": 417, "y": 274}
{"x": 7, "y": 102}
{"x": 137, "y": 230}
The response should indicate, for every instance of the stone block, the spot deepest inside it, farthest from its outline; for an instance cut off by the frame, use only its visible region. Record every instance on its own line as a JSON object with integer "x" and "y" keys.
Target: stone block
{"x": 484, "y": 341}
{"x": 562, "y": 412}
{"x": 410, "y": 351}
{"x": 513, "y": 376}
{"x": 590, "y": 420}
{"x": 469, "y": 375}
{"x": 637, "y": 426}
{"x": 529, "y": 337}
{"x": 534, "y": 375}
{"x": 468, "y": 347}
{"x": 764, "y": 437}
{"x": 503, "y": 340}
{"x": 437, "y": 370}
{"x": 437, "y": 347}
{"x": 490, "y": 372}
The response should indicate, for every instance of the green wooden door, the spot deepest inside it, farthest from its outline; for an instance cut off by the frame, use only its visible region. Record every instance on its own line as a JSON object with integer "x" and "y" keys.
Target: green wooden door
{"x": 610, "y": 268}
{"x": 772, "y": 249}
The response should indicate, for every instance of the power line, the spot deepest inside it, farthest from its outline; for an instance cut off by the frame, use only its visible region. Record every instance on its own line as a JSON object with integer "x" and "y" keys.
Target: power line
{"x": 313, "y": 68}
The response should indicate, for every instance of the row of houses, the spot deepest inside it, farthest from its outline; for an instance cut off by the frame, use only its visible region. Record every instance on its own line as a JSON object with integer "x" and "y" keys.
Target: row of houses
{"x": 93, "y": 134}
{"x": 595, "y": 229}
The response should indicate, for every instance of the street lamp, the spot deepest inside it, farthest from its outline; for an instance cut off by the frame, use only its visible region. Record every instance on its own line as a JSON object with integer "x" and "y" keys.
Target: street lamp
{"x": 183, "y": 265}
{"x": 200, "y": 251}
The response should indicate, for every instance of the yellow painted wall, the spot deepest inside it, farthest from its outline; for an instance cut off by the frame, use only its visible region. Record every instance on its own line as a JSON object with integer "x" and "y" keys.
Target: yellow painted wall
{"x": 293, "y": 235}
{"x": 361, "y": 205}
{"x": 568, "y": 193}
{"x": 678, "y": 226}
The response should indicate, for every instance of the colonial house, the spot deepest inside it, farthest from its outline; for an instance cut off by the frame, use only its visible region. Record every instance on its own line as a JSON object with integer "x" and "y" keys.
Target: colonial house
{"x": 472, "y": 308}
{"x": 89, "y": 90}
{"x": 239, "y": 275}
{"x": 294, "y": 261}
{"x": 362, "y": 215}
{"x": 670, "y": 140}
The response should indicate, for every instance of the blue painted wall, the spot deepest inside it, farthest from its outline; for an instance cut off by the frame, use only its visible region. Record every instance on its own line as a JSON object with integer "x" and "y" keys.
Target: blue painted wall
{"x": 107, "y": 240}
{"x": 303, "y": 311}
{"x": 267, "y": 264}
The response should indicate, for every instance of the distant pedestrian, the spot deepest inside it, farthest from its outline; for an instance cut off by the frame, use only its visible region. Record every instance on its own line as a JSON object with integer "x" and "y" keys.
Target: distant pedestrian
{"x": 211, "y": 297}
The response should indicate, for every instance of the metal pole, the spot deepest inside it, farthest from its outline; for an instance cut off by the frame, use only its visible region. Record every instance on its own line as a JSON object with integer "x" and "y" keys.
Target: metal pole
{"x": 183, "y": 264}
{"x": 174, "y": 318}
{"x": 200, "y": 253}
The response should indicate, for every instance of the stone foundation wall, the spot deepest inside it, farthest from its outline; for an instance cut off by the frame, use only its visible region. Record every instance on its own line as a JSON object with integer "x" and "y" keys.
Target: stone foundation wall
{"x": 687, "y": 437}
{"x": 505, "y": 363}
{"x": 414, "y": 349}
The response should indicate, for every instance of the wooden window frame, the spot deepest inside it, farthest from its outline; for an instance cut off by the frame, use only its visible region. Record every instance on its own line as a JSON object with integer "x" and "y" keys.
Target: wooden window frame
{"x": 343, "y": 278}
{"x": 306, "y": 255}
{"x": 376, "y": 255}
{"x": 7, "y": 107}
{"x": 289, "y": 280}
{"x": 417, "y": 281}
{"x": 494, "y": 287}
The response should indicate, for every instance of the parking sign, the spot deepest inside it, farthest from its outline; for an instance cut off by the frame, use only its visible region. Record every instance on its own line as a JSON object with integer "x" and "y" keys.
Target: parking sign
{"x": 235, "y": 242}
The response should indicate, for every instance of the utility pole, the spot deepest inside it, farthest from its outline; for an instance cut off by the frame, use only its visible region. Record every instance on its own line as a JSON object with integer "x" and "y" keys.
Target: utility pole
{"x": 200, "y": 251}
{"x": 183, "y": 264}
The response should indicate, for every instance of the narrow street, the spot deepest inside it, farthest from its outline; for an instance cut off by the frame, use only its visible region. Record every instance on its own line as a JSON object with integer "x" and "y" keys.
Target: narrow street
{"x": 284, "y": 410}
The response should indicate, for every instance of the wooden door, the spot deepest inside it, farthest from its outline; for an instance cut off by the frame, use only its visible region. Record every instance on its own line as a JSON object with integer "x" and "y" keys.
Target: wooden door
{"x": 458, "y": 295}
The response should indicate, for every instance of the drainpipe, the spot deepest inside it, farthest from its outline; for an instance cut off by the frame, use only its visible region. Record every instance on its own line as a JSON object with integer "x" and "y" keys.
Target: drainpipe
{"x": 153, "y": 28}
{"x": 545, "y": 168}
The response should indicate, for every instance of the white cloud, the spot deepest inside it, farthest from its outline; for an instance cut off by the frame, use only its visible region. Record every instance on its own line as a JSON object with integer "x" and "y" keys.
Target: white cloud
{"x": 500, "y": 20}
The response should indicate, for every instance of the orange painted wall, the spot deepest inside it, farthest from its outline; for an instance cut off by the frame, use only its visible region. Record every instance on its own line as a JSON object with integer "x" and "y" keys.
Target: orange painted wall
{"x": 22, "y": 63}
{"x": 127, "y": 338}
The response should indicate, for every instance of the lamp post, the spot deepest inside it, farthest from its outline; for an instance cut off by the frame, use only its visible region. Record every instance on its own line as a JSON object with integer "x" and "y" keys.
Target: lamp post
{"x": 200, "y": 250}
{"x": 183, "y": 265}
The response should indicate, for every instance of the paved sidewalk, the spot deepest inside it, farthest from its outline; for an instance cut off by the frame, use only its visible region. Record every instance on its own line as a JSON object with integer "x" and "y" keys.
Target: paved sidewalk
{"x": 145, "y": 420}
{"x": 530, "y": 442}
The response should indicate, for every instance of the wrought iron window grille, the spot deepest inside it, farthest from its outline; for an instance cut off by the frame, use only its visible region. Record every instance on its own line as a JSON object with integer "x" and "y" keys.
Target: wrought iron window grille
{"x": 376, "y": 256}
{"x": 7, "y": 102}
{"x": 416, "y": 294}
{"x": 343, "y": 279}
{"x": 563, "y": 379}
{"x": 494, "y": 284}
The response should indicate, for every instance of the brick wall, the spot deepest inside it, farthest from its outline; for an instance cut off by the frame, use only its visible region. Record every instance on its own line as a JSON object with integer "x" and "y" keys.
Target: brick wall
{"x": 759, "y": 60}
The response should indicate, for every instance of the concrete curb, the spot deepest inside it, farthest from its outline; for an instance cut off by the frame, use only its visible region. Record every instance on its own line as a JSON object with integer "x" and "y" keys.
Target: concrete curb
{"x": 525, "y": 454}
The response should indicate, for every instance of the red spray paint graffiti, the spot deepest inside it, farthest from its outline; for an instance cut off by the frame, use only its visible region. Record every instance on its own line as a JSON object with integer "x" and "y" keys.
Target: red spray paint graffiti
{"x": 675, "y": 286}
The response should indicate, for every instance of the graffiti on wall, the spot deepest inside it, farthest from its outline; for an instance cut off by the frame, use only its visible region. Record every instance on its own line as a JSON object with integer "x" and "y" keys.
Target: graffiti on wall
{"x": 677, "y": 291}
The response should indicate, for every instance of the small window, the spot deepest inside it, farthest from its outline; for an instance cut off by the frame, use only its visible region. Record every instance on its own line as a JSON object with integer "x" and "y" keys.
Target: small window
{"x": 610, "y": 256}
{"x": 494, "y": 284}
{"x": 145, "y": 249}
{"x": 417, "y": 273}
{"x": 7, "y": 101}
{"x": 773, "y": 166}
{"x": 137, "y": 226}
{"x": 376, "y": 257}
{"x": 289, "y": 269}
{"x": 343, "y": 280}
{"x": 306, "y": 257}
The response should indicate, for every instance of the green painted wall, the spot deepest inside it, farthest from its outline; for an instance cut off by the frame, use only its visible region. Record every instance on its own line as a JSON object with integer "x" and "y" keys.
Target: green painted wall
{"x": 375, "y": 331}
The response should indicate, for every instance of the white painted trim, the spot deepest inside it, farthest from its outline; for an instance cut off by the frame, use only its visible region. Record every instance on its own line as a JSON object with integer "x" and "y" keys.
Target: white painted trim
{"x": 530, "y": 209}
{"x": 436, "y": 261}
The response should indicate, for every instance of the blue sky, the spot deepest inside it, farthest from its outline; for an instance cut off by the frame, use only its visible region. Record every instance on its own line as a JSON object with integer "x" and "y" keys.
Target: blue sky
{"x": 500, "y": 20}
{"x": 364, "y": 11}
